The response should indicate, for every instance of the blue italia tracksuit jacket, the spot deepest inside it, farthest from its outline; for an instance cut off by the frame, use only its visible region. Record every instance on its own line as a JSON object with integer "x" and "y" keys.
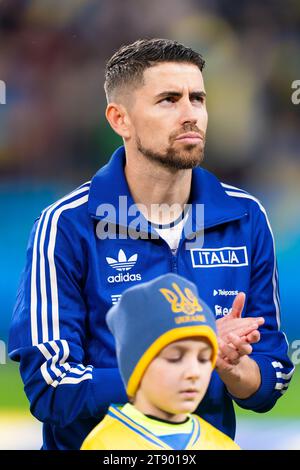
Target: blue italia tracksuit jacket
{"x": 72, "y": 277}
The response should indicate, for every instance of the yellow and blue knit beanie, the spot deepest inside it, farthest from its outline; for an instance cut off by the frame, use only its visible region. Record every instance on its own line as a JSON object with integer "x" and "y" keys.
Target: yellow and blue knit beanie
{"x": 150, "y": 316}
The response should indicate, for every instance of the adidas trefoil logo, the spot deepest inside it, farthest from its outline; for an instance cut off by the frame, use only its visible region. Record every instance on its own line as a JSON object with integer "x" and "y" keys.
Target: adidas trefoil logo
{"x": 122, "y": 263}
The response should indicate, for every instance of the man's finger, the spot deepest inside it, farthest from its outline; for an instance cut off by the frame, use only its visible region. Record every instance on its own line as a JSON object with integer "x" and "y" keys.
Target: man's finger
{"x": 238, "y": 305}
{"x": 251, "y": 330}
{"x": 242, "y": 347}
{"x": 239, "y": 326}
{"x": 253, "y": 337}
{"x": 241, "y": 331}
{"x": 229, "y": 353}
{"x": 222, "y": 364}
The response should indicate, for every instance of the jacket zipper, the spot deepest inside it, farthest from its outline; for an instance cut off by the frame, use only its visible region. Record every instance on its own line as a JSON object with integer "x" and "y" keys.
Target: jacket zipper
{"x": 174, "y": 261}
{"x": 174, "y": 258}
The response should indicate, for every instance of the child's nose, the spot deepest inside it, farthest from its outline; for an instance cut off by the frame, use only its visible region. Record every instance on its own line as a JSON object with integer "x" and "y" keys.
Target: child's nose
{"x": 193, "y": 370}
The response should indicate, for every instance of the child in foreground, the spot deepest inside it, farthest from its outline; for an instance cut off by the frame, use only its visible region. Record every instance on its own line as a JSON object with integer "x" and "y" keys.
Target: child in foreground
{"x": 166, "y": 349}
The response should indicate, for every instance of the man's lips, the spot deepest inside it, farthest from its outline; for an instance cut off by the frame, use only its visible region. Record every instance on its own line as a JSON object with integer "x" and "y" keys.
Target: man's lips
{"x": 190, "y": 136}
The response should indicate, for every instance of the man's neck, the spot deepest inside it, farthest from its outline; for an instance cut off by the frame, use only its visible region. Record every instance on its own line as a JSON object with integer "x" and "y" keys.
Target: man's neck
{"x": 152, "y": 185}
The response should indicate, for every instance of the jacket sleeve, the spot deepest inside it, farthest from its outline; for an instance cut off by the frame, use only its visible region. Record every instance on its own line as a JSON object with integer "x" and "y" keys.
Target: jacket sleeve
{"x": 47, "y": 334}
{"x": 271, "y": 352}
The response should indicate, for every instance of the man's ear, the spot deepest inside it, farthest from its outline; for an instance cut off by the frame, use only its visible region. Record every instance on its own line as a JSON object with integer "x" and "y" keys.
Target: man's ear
{"x": 118, "y": 118}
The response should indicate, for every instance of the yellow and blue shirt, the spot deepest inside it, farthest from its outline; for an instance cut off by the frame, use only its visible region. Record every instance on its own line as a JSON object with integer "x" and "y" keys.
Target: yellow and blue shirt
{"x": 126, "y": 428}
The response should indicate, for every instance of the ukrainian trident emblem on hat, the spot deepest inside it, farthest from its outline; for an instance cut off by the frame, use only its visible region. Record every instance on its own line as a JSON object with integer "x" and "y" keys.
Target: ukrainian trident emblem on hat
{"x": 181, "y": 301}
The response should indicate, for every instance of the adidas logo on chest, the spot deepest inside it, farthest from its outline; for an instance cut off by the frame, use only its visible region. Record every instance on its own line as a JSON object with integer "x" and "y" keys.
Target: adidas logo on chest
{"x": 123, "y": 265}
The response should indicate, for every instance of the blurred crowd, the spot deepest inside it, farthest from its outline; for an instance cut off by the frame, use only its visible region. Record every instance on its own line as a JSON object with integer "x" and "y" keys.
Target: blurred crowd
{"x": 52, "y": 58}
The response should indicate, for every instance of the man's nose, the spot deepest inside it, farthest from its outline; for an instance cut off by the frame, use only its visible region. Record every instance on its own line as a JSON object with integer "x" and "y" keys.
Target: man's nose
{"x": 188, "y": 113}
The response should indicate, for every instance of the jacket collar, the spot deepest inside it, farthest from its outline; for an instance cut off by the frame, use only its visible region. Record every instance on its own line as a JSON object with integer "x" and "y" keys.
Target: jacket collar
{"x": 109, "y": 183}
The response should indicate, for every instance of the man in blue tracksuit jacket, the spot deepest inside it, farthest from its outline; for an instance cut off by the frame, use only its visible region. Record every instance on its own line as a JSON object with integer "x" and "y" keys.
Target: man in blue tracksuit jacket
{"x": 87, "y": 248}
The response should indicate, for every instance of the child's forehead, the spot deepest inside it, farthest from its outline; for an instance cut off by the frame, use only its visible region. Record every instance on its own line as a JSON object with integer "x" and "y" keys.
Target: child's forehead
{"x": 198, "y": 342}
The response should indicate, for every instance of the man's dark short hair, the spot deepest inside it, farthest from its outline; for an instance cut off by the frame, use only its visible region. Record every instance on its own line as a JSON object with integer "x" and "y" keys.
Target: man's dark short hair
{"x": 126, "y": 67}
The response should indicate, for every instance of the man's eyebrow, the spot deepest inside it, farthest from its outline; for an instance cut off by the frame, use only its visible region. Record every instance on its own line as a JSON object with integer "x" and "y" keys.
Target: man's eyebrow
{"x": 177, "y": 94}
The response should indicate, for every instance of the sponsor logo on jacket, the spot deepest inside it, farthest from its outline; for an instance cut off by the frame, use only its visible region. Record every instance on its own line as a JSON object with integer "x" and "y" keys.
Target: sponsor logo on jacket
{"x": 123, "y": 264}
{"x": 228, "y": 256}
{"x": 222, "y": 311}
{"x": 115, "y": 298}
{"x": 225, "y": 292}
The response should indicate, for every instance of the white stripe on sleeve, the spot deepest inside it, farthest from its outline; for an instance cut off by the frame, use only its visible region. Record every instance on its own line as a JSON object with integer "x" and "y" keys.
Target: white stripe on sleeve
{"x": 38, "y": 274}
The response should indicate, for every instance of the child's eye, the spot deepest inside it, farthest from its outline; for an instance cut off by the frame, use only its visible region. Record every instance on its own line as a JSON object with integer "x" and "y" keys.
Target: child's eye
{"x": 203, "y": 360}
{"x": 173, "y": 359}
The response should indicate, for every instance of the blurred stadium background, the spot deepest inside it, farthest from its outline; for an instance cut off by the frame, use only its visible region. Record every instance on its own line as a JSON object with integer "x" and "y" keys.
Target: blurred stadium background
{"x": 53, "y": 136}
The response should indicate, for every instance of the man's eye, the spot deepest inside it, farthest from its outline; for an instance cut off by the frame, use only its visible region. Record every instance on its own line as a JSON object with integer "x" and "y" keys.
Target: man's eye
{"x": 199, "y": 99}
{"x": 168, "y": 99}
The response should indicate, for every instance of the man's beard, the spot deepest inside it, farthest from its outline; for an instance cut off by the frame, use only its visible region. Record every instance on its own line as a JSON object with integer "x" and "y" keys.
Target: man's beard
{"x": 188, "y": 157}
